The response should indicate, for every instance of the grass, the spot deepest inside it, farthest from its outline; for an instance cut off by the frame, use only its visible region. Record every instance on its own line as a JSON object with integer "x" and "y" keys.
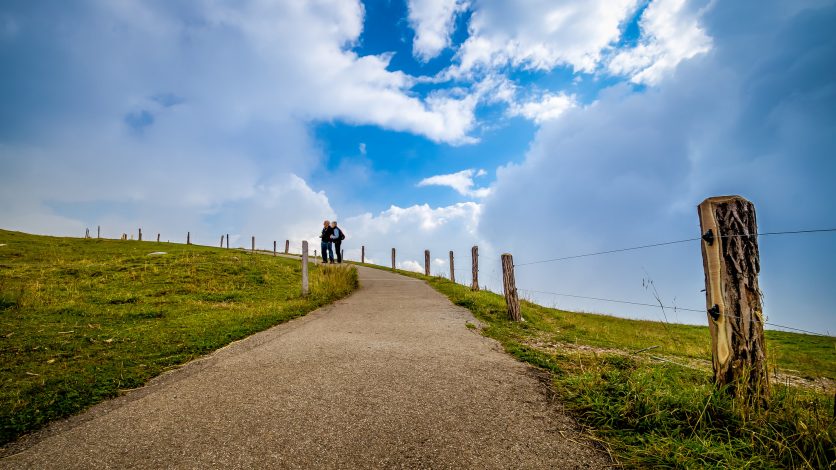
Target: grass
{"x": 659, "y": 414}
{"x": 83, "y": 320}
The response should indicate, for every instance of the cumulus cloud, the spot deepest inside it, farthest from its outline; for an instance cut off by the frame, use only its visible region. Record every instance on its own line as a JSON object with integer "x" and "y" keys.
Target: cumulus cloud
{"x": 461, "y": 182}
{"x": 433, "y": 22}
{"x": 547, "y": 107}
{"x": 630, "y": 169}
{"x": 670, "y": 33}
{"x": 541, "y": 34}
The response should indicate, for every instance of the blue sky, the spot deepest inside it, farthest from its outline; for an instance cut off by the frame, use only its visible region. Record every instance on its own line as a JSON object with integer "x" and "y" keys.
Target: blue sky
{"x": 541, "y": 128}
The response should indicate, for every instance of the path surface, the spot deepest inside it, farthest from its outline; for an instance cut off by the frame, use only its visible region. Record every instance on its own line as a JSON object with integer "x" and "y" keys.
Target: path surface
{"x": 388, "y": 377}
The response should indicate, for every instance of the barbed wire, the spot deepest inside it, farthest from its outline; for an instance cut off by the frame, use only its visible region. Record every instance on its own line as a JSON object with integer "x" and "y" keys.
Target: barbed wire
{"x": 674, "y": 308}
{"x": 674, "y": 242}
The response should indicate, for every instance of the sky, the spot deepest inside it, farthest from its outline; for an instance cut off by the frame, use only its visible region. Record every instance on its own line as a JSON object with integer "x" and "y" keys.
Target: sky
{"x": 540, "y": 128}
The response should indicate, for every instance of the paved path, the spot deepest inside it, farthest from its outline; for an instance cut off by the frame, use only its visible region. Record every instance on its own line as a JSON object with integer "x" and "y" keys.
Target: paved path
{"x": 389, "y": 377}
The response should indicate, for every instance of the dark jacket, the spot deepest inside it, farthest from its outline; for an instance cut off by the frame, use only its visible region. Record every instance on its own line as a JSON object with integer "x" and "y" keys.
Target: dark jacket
{"x": 326, "y": 234}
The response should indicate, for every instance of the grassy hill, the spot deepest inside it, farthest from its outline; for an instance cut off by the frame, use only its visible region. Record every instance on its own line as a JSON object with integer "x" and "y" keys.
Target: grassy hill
{"x": 658, "y": 407}
{"x": 81, "y": 320}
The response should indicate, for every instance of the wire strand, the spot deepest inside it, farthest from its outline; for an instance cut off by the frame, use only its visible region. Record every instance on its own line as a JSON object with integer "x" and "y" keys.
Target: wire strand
{"x": 674, "y": 308}
{"x": 654, "y": 245}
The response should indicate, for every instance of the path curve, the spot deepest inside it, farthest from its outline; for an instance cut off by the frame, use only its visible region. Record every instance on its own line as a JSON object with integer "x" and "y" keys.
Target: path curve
{"x": 389, "y": 377}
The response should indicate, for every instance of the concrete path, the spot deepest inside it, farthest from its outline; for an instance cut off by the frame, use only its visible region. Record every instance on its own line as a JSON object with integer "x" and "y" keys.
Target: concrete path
{"x": 389, "y": 377}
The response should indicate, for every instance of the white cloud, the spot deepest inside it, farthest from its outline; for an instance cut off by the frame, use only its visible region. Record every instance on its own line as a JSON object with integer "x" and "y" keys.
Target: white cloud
{"x": 461, "y": 182}
{"x": 670, "y": 33}
{"x": 547, "y": 107}
{"x": 541, "y": 34}
{"x": 433, "y": 22}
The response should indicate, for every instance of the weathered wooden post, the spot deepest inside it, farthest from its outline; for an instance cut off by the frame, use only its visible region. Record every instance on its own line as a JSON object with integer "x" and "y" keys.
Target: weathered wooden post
{"x": 733, "y": 298}
{"x": 393, "y": 258}
{"x": 274, "y": 248}
{"x": 305, "y": 267}
{"x": 139, "y": 235}
{"x": 286, "y": 246}
{"x": 509, "y": 285}
{"x": 363, "y": 253}
{"x": 426, "y": 262}
{"x": 158, "y": 238}
{"x": 87, "y": 233}
{"x": 98, "y": 231}
{"x": 222, "y": 241}
{"x": 342, "y": 255}
{"x": 452, "y": 268}
{"x": 253, "y": 250}
{"x": 188, "y": 238}
{"x": 474, "y": 254}
{"x": 227, "y": 241}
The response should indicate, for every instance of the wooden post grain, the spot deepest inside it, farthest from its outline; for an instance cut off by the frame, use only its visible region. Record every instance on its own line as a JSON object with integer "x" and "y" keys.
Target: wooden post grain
{"x": 286, "y": 246}
{"x": 393, "y": 258}
{"x": 304, "y": 267}
{"x": 363, "y": 254}
{"x": 509, "y": 285}
{"x": 452, "y": 268}
{"x": 426, "y": 262}
{"x": 474, "y": 254}
{"x": 733, "y": 297}
{"x": 188, "y": 238}
{"x": 274, "y": 248}
{"x": 139, "y": 235}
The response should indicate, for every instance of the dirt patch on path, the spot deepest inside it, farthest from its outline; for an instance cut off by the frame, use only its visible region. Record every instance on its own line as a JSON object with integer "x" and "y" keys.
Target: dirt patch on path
{"x": 388, "y": 378}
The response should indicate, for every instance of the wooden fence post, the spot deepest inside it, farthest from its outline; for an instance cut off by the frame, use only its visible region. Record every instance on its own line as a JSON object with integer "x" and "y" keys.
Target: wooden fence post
{"x": 188, "y": 238}
{"x": 363, "y": 254}
{"x": 222, "y": 241}
{"x": 227, "y": 241}
{"x": 733, "y": 298}
{"x": 426, "y": 262}
{"x": 342, "y": 255}
{"x": 393, "y": 258}
{"x": 452, "y": 268}
{"x": 286, "y": 246}
{"x": 274, "y": 248}
{"x": 509, "y": 285}
{"x": 99, "y": 231}
{"x": 474, "y": 254}
{"x": 158, "y": 238}
{"x": 253, "y": 243}
{"x": 304, "y": 267}
{"x": 87, "y": 233}
{"x": 139, "y": 236}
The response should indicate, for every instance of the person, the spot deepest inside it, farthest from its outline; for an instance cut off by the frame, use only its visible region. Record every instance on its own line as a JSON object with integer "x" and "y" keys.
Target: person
{"x": 337, "y": 236}
{"x": 325, "y": 245}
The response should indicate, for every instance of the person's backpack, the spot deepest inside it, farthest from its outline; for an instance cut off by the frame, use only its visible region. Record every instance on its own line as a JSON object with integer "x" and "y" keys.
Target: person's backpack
{"x": 342, "y": 234}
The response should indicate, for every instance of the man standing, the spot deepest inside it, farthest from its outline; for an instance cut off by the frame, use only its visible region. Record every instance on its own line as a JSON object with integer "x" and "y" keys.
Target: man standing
{"x": 325, "y": 245}
{"x": 337, "y": 236}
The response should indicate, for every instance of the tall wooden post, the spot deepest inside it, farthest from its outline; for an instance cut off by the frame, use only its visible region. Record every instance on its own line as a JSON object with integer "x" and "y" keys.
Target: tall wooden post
{"x": 253, "y": 238}
{"x": 87, "y": 233}
{"x": 274, "y": 248}
{"x": 227, "y": 241}
{"x": 188, "y": 238}
{"x": 393, "y": 258}
{"x": 342, "y": 255}
{"x": 474, "y": 254}
{"x": 509, "y": 285}
{"x": 363, "y": 253}
{"x": 222, "y": 241}
{"x": 139, "y": 236}
{"x": 286, "y": 246}
{"x": 158, "y": 238}
{"x": 426, "y": 262}
{"x": 98, "y": 231}
{"x": 733, "y": 298}
{"x": 452, "y": 268}
{"x": 304, "y": 267}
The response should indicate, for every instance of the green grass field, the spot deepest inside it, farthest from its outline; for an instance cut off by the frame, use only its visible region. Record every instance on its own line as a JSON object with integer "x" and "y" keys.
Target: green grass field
{"x": 651, "y": 413}
{"x": 82, "y": 320}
